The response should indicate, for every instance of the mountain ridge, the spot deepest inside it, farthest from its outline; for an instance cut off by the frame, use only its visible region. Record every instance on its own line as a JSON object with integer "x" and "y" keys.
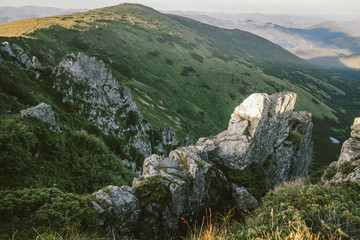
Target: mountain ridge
{"x": 180, "y": 70}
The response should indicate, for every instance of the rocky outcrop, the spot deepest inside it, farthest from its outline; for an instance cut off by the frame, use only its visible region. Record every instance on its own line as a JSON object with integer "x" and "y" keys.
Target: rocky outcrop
{"x": 89, "y": 86}
{"x": 266, "y": 143}
{"x": 164, "y": 140}
{"x": 347, "y": 168}
{"x": 43, "y": 112}
{"x": 264, "y": 130}
{"x": 119, "y": 207}
{"x": 17, "y": 52}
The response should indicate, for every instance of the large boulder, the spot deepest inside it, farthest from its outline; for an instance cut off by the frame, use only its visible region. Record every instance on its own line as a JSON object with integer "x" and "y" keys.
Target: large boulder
{"x": 118, "y": 208}
{"x": 265, "y": 144}
{"x": 347, "y": 168}
{"x": 44, "y": 113}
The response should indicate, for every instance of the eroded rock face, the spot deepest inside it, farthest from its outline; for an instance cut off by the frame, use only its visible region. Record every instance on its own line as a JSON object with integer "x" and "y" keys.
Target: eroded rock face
{"x": 17, "y": 52}
{"x": 88, "y": 84}
{"x": 264, "y": 130}
{"x": 266, "y": 143}
{"x": 347, "y": 168}
{"x": 121, "y": 206}
{"x": 43, "y": 112}
{"x": 165, "y": 140}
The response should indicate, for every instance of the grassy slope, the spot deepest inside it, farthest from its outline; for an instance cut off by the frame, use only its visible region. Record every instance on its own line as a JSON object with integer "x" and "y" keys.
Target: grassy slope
{"x": 187, "y": 74}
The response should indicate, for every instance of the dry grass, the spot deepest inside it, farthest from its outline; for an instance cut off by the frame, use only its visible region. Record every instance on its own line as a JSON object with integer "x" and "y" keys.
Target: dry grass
{"x": 209, "y": 229}
{"x": 69, "y": 234}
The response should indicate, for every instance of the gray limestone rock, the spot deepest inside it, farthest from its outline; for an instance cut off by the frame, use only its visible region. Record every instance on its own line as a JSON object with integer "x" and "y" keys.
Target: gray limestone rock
{"x": 86, "y": 82}
{"x": 348, "y": 165}
{"x": 264, "y": 130}
{"x": 16, "y": 51}
{"x": 122, "y": 205}
{"x": 43, "y": 112}
{"x": 165, "y": 140}
{"x": 243, "y": 199}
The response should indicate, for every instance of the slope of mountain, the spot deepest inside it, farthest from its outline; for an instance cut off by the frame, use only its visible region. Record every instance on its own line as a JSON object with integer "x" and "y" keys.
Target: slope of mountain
{"x": 317, "y": 40}
{"x": 181, "y": 72}
{"x": 9, "y": 14}
{"x": 346, "y": 65}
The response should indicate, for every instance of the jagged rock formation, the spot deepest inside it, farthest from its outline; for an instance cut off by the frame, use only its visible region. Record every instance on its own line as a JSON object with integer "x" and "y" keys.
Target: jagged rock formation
{"x": 168, "y": 139}
{"x": 164, "y": 140}
{"x": 17, "y": 52}
{"x": 126, "y": 209}
{"x": 347, "y": 168}
{"x": 43, "y": 112}
{"x": 266, "y": 143}
{"x": 88, "y": 84}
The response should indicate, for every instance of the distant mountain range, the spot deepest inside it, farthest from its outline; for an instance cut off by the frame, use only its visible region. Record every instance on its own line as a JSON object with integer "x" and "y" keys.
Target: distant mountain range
{"x": 9, "y": 14}
{"x": 318, "y": 40}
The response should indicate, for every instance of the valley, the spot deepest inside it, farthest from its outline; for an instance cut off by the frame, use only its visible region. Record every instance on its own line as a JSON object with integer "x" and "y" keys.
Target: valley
{"x": 122, "y": 83}
{"x": 318, "y": 39}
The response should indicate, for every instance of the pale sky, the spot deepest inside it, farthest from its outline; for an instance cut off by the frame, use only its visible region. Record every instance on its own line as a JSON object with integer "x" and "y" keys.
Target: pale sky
{"x": 341, "y": 7}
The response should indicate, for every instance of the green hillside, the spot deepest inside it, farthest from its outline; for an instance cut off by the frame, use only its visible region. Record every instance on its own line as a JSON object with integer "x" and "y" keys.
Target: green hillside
{"x": 186, "y": 74}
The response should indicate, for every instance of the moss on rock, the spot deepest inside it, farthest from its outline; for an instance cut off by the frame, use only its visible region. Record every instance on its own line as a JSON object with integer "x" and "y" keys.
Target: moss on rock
{"x": 151, "y": 190}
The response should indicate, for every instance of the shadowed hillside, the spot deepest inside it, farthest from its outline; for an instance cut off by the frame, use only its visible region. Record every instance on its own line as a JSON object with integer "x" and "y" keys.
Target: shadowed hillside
{"x": 190, "y": 75}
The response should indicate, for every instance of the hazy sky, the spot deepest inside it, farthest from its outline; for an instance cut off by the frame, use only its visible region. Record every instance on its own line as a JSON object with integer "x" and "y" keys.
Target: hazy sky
{"x": 342, "y": 7}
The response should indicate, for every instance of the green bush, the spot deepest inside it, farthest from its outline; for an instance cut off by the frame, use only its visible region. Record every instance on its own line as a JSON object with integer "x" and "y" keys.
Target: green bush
{"x": 34, "y": 156}
{"x": 253, "y": 178}
{"x": 295, "y": 137}
{"x": 326, "y": 211}
{"x": 22, "y": 211}
{"x": 330, "y": 173}
{"x": 153, "y": 191}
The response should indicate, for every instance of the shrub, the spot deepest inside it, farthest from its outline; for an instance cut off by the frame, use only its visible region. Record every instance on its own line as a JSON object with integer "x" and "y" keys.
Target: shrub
{"x": 132, "y": 119}
{"x": 197, "y": 57}
{"x": 153, "y": 191}
{"x": 43, "y": 208}
{"x": 186, "y": 70}
{"x": 295, "y": 137}
{"x": 33, "y": 156}
{"x": 253, "y": 178}
{"x": 169, "y": 61}
{"x": 330, "y": 173}
{"x": 325, "y": 211}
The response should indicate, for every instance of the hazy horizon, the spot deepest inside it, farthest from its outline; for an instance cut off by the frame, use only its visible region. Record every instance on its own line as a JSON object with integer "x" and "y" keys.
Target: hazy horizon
{"x": 305, "y": 7}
